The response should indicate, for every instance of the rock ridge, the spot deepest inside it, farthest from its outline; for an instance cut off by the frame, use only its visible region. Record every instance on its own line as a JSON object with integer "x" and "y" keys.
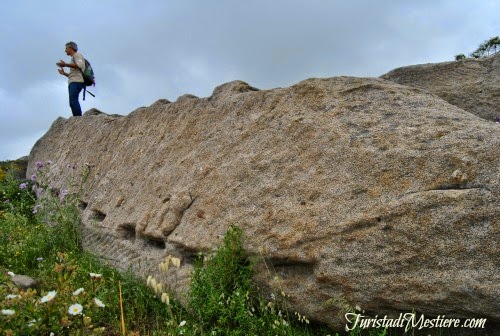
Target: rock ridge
{"x": 359, "y": 190}
{"x": 471, "y": 84}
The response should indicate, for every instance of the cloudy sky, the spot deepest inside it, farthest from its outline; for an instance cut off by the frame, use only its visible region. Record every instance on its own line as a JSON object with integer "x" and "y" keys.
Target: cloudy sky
{"x": 145, "y": 50}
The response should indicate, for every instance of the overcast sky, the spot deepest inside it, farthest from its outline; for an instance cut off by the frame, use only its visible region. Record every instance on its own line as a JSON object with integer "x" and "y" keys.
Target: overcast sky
{"x": 145, "y": 50}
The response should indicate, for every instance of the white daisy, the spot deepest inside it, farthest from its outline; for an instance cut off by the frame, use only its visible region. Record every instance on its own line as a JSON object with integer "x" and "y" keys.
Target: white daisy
{"x": 99, "y": 303}
{"x": 95, "y": 275}
{"x": 50, "y": 295}
{"x": 78, "y": 291}
{"x": 75, "y": 309}
{"x": 12, "y": 296}
{"x": 8, "y": 312}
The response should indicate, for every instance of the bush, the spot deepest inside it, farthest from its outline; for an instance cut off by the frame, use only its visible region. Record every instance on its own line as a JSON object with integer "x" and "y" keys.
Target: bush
{"x": 222, "y": 300}
{"x": 16, "y": 196}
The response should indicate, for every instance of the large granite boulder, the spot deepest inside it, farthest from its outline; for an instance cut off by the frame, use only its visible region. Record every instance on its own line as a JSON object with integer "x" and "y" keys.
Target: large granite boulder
{"x": 351, "y": 190}
{"x": 471, "y": 84}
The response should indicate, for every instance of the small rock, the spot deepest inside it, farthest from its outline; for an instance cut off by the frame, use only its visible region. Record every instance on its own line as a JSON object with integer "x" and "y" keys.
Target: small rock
{"x": 24, "y": 282}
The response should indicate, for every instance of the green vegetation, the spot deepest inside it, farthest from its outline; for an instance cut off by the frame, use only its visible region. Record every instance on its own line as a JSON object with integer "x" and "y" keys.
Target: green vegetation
{"x": 223, "y": 302}
{"x": 485, "y": 49}
{"x": 17, "y": 168}
{"x": 77, "y": 294}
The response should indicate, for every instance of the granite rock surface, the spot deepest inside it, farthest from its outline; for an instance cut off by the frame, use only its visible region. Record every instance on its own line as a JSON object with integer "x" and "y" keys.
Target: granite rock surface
{"x": 471, "y": 84}
{"x": 355, "y": 191}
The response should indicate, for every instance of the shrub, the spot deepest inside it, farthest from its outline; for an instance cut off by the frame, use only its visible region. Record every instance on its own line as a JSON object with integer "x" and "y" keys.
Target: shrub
{"x": 222, "y": 300}
{"x": 16, "y": 196}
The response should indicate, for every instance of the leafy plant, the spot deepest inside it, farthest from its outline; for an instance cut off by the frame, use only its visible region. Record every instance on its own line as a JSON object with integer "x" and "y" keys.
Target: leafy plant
{"x": 485, "y": 49}
{"x": 222, "y": 299}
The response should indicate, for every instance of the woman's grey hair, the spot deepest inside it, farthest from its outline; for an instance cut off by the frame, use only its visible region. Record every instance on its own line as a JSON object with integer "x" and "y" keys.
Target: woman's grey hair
{"x": 72, "y": 45}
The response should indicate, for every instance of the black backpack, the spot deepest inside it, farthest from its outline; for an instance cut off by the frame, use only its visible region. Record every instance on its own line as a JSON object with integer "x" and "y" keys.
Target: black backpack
{"x": 88, "y": 78}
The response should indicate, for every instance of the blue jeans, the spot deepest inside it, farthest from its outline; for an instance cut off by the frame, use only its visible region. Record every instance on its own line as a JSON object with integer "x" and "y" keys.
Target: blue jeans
{"x": 74, "y": 89}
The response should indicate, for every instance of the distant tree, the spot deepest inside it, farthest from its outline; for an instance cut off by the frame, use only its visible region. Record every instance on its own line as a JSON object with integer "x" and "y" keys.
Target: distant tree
{"x": 485, "y": 49}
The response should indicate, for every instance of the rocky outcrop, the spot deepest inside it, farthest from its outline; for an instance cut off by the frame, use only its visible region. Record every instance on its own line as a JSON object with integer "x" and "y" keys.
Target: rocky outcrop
{"x": 352, "y": 191}
{"x": 471, "y": 84}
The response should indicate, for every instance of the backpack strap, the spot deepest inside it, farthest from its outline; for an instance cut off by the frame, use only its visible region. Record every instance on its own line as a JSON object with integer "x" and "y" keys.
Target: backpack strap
{"x": 84, "y": 86}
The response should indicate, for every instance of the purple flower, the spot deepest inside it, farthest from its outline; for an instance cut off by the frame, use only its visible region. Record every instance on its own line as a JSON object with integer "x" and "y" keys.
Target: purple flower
{"x": 64, "y": 192}
{"x": 23, "y": 186}
{"x": 39, "y": 164}
{"x": 497, "y": 119}
{"x": 33, "y": 177}
{"x": 35, "y": 209}
{"x": 38, "y": 192}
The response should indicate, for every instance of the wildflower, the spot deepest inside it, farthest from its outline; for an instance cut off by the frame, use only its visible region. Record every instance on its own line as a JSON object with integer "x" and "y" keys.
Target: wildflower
{"x": 64, "y": 192}
{"x": 33, "y": 177}
{"x": 182, "y": 324}
{"x": 50, "y": 295}
{"x": 159, "y": 287}
{"x": 165, "y": 298}
{"x": 35, "y": 208}
{"x": 152, "y": 283}
{"x": 23, "y": 186}
{"x": 31, "y": 323}
{"x": 86, "y": 320}
{"x": 39, "y": 259}
{"x": 75, "y": 309}
{"x": 8, "y": 311}
{"x": 11, "y": 274}
{"x": 39, "y": 165}
{"x": 95, "y": 275}
{"x": 163, "y": 267}
{"x": 99, "y": 303}
{"x": 78, "y": 291}
{"x": 68, "y": 165}
{"x": 176, "y": 262}
{"x": 38, "y": 192}
{"x": 12, "y": 296}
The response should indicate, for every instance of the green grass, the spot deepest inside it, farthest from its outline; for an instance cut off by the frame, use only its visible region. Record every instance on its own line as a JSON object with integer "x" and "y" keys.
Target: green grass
{"x": 45, "y": 246}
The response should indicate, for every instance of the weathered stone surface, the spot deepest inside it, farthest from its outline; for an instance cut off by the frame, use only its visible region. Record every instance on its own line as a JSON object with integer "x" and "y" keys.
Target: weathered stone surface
{"x": 361, "y": 190}
{"x": 24, "y": 282}
{"x": 471, "y": 84}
